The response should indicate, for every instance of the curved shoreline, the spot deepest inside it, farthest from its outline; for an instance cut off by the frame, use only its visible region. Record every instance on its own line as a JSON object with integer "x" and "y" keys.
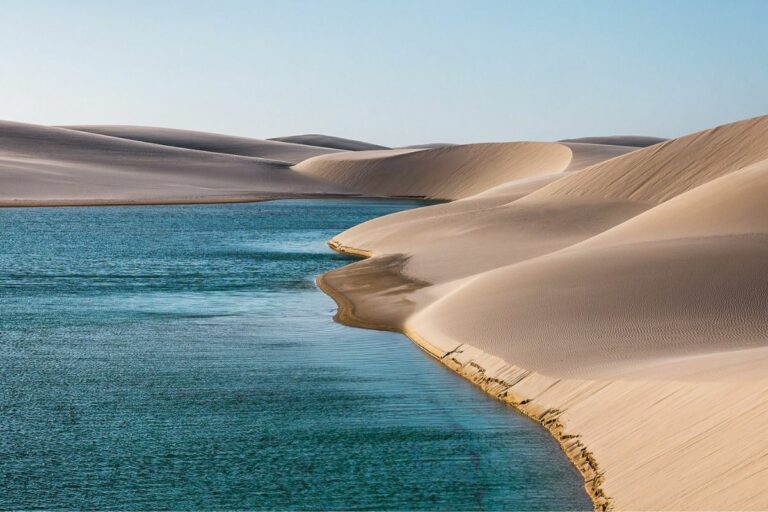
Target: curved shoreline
{"x": 169, "y": 201}
{"x": 501, "y": 389}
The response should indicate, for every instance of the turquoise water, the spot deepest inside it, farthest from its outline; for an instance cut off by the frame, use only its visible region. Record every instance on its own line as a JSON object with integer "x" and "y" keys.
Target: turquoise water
{"x": 181, "y": 357}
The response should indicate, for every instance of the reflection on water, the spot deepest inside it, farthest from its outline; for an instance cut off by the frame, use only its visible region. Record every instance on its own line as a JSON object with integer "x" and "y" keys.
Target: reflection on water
{"x": 180, "y": 357}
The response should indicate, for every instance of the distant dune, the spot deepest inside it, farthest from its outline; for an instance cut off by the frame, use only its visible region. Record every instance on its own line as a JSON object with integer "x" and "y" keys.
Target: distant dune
{"x": 615, "y": 289}
{"x": 42, "y": 165}
{"x": 432, "y": 145}
{"x": 637, "y": 141}
{"x": 213, "y": 142}
{"x": 326, "y": 141}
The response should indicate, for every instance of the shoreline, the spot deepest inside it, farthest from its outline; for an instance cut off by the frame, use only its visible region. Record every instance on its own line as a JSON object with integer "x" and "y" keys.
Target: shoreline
{"x": 233, "y": 199}
{"x": 64, "y": 203}
{"x": 499, "y": 388}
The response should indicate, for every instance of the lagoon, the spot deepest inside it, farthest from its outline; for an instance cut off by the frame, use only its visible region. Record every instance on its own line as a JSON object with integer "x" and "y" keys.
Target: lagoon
{"x": 181, "y": 357}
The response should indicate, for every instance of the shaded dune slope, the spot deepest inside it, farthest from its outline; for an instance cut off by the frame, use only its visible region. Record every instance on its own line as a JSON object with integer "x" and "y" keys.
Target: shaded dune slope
{"x": 45, "y": 165}
{"x": 213, "y": 142}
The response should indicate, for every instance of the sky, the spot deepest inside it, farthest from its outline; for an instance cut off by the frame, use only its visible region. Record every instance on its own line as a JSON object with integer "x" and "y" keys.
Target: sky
{"x": 390, "y": 72}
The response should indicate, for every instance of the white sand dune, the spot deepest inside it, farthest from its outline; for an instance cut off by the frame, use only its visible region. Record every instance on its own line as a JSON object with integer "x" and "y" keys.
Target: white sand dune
{"x": 213, "y": 142}
{"x": 662, "y": 171}
{"x": 442, "y": 173}
{"x": 625, "y": 306}
{"x": 696, "y": 266}
{"x": 42, "y": 165}
{"x": 586, "y": 154}
{"x": 327, "y": 141}
{"x": 556, "y": 215}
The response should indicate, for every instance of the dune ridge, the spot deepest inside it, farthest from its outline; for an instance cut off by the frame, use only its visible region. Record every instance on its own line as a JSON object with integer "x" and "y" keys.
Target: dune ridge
{"x": 622, "y": 306}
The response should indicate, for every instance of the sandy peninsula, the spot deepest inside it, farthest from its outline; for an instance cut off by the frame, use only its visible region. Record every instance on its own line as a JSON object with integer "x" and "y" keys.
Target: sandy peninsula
{"x": 614, "y": 289}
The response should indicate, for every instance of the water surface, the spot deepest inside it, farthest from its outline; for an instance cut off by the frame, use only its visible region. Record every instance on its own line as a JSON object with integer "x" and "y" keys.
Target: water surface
{"x": 181, "y": 357}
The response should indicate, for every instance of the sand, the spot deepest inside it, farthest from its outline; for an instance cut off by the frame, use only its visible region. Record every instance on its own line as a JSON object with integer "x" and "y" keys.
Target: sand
{"x": 614, "y": 289}
{"x": 624, "y": 306}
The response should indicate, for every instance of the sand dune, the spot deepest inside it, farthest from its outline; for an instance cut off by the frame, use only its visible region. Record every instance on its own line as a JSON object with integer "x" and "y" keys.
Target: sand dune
{"x": 557, "y": 214}
{"x": 44, "y": 165}
{"x": 730, "y": 205}
{"x": 585, "y": 154}
{"x": 443, "y": 173}
{"x": 624, "y": 306}
{"x": 213, "y": 142}
{"x": 326, "y": 141}
{"x": 651, "y": 346}
{"x": 686, "y": 278}
{"x": 492, "y": 218}
{"x": 660, "y": 172}
{"x": 696, "y": 265}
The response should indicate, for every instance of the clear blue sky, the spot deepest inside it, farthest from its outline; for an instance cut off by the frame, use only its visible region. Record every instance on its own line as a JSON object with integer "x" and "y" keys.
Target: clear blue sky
{"x": 392, "y": 72}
